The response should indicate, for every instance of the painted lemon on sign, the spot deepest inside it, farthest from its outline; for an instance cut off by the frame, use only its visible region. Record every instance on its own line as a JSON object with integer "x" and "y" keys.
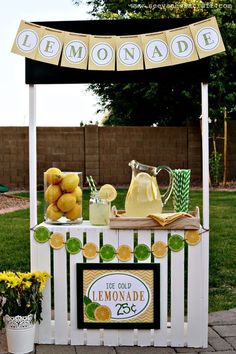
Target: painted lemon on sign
{"x": 102, "y": 313}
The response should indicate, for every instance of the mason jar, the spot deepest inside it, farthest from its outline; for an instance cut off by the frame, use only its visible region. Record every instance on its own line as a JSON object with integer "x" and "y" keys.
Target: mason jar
{"x": 63, "y": 196}
{"x": 99, "y": 210}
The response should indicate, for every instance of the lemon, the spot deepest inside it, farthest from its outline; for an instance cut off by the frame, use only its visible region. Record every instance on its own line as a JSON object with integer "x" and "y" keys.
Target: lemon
{"x": 77, "y": 192}
{"x": 53, "y": 213}
{"x": 52, "y": 193}
{"x": 159, "y": 249}
{"x": 124, "y": 253}
{"x": 69, "y": 182}
{"x": 90, "y": 250}
{"x": 56, "y": 240}
{"x": 102, "y": 313}
{"x": 53, "y": 175}
{"x": 66, "y": 202}
{"x": 75, "y": 212}
{"x": 108, "y": 192}
{"x": 192, "y": 237}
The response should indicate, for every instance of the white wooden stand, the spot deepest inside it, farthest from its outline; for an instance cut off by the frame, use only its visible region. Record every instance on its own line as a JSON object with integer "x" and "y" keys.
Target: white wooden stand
{"x": 178, "y": 330}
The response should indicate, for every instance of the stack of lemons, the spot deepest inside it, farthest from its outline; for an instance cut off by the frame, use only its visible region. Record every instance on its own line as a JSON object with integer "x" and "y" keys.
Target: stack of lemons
{"x": 63, "y": 195}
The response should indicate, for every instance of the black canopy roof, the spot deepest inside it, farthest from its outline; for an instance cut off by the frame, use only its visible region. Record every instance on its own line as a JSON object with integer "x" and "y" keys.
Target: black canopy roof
{"x": 41, "y": 73}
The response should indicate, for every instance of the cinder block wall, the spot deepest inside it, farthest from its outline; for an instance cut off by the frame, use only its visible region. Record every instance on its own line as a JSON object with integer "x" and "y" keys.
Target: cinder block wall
{"x": 104, "y": 152}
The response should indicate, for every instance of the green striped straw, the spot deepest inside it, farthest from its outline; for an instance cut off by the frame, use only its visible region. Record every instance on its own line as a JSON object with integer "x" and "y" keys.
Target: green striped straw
{"x": 91, "y": 184}
{"x": 181, "y": 187}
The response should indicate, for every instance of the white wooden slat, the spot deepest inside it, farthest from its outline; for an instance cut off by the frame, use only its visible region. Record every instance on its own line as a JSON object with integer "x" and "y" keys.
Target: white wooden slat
{"x": 60, "y": 291}
{"x": 92, "y": 235}
{"x": 44, "y": 332}
{"x": 195, "y": 286}
{"x": 205, "y": 286}
{"x": 77, "y": 336}
{"x": 177, "y": 295}
{"x": 144, "y": 336}
{"x": 127, "y": 337}
{"x": 160, "y": 336}
{"x": 110, "y": 336}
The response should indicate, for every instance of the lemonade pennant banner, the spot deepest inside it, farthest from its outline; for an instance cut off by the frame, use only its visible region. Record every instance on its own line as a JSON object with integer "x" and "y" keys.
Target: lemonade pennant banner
{"x": 50, "y": 46}
{"x": 207, "y": 37}
{"x": 181, "y": 44}
{"x": 27, "y": 39}
{"x": 102, "y": 53}
{"x": 133, "y": 52}
{"x": 155, "y": 50}
{"x": 75, "y": 52}
{"x": 129, "y": 53}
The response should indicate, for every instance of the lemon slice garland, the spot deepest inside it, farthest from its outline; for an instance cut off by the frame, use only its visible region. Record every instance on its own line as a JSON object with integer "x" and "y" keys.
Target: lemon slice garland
{"x": 124, "y": 252}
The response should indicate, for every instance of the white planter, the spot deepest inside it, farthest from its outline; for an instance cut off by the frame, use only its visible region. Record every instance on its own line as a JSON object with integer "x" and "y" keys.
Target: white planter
{"x": 20, "y": 332}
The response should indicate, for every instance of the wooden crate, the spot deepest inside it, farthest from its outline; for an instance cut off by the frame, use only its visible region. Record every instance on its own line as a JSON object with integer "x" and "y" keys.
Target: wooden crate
{"x": 119, "y": 221}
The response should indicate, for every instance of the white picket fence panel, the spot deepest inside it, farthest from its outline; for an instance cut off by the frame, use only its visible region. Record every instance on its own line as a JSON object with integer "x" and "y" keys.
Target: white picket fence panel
{"x": 178, "y": 329}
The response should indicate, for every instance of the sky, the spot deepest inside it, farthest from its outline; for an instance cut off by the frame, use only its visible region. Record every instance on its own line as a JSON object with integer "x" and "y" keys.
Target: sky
{"x": 56, "y": 105}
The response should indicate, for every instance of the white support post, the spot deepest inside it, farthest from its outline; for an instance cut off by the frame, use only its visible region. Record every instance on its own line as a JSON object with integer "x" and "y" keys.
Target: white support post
{"x": 205, "y": 236}
{"x": 205, "y": 155}
{"x": 32, "y": 173}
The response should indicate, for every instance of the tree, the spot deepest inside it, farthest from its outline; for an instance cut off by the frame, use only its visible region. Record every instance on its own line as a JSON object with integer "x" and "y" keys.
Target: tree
{"x": 163, "y": 104}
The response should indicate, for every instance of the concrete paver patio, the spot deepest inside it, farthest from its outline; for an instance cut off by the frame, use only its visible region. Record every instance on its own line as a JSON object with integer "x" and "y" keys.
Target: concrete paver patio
{"x": 222, "y": 340}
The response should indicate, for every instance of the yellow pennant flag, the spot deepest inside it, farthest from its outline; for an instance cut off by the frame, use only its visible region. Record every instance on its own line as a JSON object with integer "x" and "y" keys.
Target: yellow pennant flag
{"x": 207, "y": 37}
{"x": 129, "y": 53}
{"x": 156, "y": 50}
{"x": 181, "y": 44}
{"x": 75, "y": 51}
{"x": 27, "y": 39}
{"x": 50, "y": 46}
{"x": 102, "y": 53}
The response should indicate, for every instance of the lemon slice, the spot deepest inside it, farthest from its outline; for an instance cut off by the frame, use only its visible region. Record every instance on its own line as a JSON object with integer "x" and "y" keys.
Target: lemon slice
{"x": 159, "y": 249}
{"x": 108, "y": 192}
{"x": 144, "y": 182}
{"x": 192, "y": 237}
{"x": 56, "y": 241}
{"x": 41, "y": 234}
{"x": 102, "y": 313}
{"x": 90, "y": 250}
{"x": 176, "y": 243}
{"x": 124, "y": 253}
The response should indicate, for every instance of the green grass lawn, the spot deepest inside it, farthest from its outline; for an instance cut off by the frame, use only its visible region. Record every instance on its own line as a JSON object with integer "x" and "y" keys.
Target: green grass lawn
{"x": 15, "y": 252}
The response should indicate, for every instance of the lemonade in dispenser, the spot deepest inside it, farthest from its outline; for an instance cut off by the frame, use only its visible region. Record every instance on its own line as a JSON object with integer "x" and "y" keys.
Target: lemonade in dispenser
{"x": 143, "y": 197}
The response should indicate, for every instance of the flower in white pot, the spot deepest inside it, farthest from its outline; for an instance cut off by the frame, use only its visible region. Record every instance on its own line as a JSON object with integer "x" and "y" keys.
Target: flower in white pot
{"x": 21, "y": 296}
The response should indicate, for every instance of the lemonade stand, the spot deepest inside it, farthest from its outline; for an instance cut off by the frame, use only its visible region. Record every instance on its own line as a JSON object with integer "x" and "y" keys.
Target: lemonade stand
{"x": 118, "y": 292}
